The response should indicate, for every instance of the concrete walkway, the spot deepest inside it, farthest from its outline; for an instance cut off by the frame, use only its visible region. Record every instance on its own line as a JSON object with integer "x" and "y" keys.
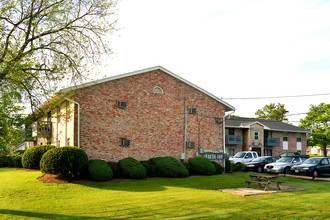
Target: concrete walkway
{"x": 326, "y": 179}
{"x": 257, "y": 191}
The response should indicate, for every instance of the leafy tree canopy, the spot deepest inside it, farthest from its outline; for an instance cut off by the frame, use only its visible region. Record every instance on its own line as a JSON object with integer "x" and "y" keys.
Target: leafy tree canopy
{"x": 318, "y": 122}
{"x": 43, "y": 42}
{"x": 273, "y": 111}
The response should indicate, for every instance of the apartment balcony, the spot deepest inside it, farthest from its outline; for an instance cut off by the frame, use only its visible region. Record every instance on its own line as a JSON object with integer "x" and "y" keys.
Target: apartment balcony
{"x": 234, "y": 140}
{"x": 42, "y": 129}
{"x": 272, "y": 142}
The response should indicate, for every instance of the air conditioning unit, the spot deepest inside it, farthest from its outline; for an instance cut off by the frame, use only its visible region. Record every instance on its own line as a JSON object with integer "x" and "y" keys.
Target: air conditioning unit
{"x": 124, "y": 142}
{"x": 192, "y": 111}
{"x": 121, "y": 104}
{"x": 190, "y": 144}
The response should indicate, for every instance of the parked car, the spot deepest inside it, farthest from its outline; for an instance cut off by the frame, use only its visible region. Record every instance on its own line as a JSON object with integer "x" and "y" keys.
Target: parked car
{"x": 292, "y": 154}
{"x": 243, "y": 157}
{"x": 259, "y": 163}
{"x": 314, "y": 166}
{"x": 284, "y": 164}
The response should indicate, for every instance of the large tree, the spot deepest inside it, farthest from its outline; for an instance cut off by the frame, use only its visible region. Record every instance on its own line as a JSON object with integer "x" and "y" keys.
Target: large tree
{"x": 318, "y": 122}
{"x": 273, "y": 111}
{"x": 43, "y": 42}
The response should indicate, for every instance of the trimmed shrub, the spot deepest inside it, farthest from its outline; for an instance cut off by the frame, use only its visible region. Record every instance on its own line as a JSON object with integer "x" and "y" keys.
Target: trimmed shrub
{"x": 31, "y": 157}
{"x": 202, "y": 166}
{"x": 151, "y": 167}
{"x": 170, "y": 167}
{"x": 3, "y": 160}
{"x": 99, "y": 170}
{"x": 189, "y": 168}
{"x": 218, "y": 167}
{"x": 115, "y": 169}
{"x": 228, "y": 165}
{"x": 64, "y": 161}
{"x": 239, "y": 167}
{"x": 132, "y": 168}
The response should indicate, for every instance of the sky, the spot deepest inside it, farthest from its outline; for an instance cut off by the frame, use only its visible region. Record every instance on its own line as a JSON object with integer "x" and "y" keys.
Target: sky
{"x": 232, "y": 49}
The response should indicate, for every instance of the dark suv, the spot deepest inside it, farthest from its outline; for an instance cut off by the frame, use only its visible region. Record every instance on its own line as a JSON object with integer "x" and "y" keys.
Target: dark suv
{"x": 259, "y": 163}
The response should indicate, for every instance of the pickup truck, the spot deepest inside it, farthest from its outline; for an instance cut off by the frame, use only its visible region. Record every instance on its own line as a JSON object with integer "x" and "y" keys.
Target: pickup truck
{"x": 243, "y": 157}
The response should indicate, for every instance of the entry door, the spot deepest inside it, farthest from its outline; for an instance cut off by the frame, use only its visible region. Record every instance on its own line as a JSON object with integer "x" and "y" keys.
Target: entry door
{"x": 257, "y": 149}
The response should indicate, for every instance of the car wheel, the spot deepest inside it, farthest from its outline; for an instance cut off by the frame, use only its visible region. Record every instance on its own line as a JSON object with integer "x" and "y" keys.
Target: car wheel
{"x": 287, "y": 170}
{"x": 315, "y": 173}
{"x": 259, "y": 169}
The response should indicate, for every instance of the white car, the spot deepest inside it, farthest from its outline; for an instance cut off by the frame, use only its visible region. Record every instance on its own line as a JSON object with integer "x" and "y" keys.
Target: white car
{"x": 243, "y": 157}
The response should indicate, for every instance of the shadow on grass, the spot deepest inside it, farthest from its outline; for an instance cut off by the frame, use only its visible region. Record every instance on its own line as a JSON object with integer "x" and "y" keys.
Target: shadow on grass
{"x": 160, "y": 184}
{"x": 10, "y": 212}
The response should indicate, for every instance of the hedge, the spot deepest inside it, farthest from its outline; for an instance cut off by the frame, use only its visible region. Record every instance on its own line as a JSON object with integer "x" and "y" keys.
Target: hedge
{"x": 116, "y": 170}
{"x": 218, "y": 167}
{"x": 239, "y": 167}
{"x": 64, "y": 161}
{"x": 99, "y": 170}
{"x": 31, "y": 157}
{"x": 151, "y": 167}
{"x": 229, "y": 165}
{"x": 202, "y": 166}
{"x": 170, "y": 167}
{"x": 132, "y": 168}
{"x": 189, "y": 168}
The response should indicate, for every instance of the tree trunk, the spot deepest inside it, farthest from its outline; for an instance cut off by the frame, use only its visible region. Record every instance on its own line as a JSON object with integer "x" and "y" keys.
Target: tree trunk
{"x": 325, "y": 149}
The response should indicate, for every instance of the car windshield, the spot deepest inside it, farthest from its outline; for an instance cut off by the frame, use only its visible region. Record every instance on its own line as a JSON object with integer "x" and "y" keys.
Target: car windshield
{"x": 285, "y": 160}
{"x": 312, "y": 161}
{"x": 259, "y": 159}
{"x": 239, "y": 155}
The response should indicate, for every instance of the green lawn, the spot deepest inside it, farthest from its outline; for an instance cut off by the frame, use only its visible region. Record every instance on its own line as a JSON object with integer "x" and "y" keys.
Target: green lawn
{"x": 23, "y": 196}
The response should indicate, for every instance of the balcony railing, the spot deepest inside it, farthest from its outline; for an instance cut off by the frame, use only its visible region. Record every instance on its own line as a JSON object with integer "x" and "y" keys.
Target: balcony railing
{"x": 42, "y": 129}
{"x": 234, "y": 139}
{"x": 272, "y": 142}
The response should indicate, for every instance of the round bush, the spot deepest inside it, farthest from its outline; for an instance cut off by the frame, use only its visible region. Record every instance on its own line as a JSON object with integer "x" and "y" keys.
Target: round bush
{"x": 202, "y": 166}
{"x": 31, "y": 157}
{"x": 99, "y": 170}
{"x": 170, "y": 167}
{"x": 239, "y": 167}
{"x": 152, "y": 170}
{"x": 229, "y": 165}
{"x": 64, "y": 161}
{"x": 132, "y": 168}
{"x": 218, "y": 167}
{"x": 189, "y": 168}
{"x": 115, "y": 169}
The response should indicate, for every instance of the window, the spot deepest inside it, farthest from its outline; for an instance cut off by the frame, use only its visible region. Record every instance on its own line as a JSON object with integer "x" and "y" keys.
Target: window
{"x": 121, "y": 104}
{"x": 285, "y": 136}
{"x": 230, "y": 131}
{"x": 268, "y": 152}
{"x": 324, "y": 162}
{"x": 248, "y": 155}
{"x": 298, "y": 137}
{"x": 255, "y": 155}
{"x": 268, "y": 134}
{"x": 256, "y": 135}
{"x": 157, "y": 90}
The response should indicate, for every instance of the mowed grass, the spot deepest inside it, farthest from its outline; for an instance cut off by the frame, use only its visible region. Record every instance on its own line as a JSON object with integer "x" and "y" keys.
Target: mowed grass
{"x": 22, "y": 196}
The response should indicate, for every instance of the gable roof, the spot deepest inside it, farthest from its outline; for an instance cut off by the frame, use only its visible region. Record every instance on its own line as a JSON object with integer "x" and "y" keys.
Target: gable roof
{"x": 228, "y": 107}
{"x": 271, "y": 125}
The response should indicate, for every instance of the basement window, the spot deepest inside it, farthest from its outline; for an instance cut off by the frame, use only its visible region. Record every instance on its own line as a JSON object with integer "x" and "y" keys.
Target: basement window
{"x": 157, "y": 90}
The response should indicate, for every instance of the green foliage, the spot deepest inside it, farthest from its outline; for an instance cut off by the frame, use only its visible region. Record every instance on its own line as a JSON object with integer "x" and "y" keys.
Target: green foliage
{"x": 317, "y": 121}
{"x": 31, "y": 157}
{"x": 202, "y": 166}
{"x": 170, "y": 167}
{"x": 189, "y": 168}
{"x": 132, "y": 168}
{"x": 229, "y": 165}
{"x": 117, "y": 173}
{"x": 218, "y": 167}
{"x": 273, "y": 111}
{"x": 239, "y": 167}
{"x": 99, "y": 170}
{"x": 45, "y": 42}
{"x": 11, "y": 160}
{"x": 64, "y": 161}
{"x": 151, "y": 167}
{"x": 11, "y": 133}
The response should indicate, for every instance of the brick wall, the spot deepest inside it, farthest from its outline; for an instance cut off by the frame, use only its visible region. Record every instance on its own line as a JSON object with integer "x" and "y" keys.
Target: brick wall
{"x": 152, "y": 122}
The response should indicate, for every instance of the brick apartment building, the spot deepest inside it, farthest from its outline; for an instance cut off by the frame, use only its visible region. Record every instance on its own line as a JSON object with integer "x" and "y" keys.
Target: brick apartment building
{"x": 142, "y": 114}
{"x": 269, "y": 138}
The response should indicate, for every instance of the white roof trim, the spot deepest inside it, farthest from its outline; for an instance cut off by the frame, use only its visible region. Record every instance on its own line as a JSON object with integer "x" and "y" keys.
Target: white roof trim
{"x": 256, "y": 122}
{"x": 271, "y": 129}
{"x": 228, "y": 106}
